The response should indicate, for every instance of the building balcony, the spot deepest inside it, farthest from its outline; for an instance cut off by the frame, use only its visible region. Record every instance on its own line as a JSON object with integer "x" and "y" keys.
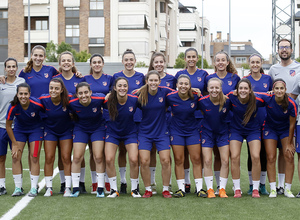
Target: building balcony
{"x": 37, "y": 36}
{"x": 134, "y": 8}
{"x": 35, "y": 2}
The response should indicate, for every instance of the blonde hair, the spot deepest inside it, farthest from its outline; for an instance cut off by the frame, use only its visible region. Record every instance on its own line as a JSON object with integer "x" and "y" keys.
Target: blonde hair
{"x": 74, "y": 69}
{"x": 230, "y": 67}
{"x": 29, "y": 64}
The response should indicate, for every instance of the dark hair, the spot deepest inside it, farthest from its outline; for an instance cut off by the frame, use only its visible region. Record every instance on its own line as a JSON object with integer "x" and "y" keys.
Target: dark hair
{"x": 285, "y": 103}
{"x": 81, "y": 84}
{"x": 9, "y": 59}
{"x": 188, "y": 50}
{"x": 29, "y": 64}
{"x": 230, "y": 67}
{"x": 190, "y": 92}
{"x": 154, "y": 55}
{"x": 16, "y": 101}
{"x": 283, "y": 39}
{"x": 222, "y": 97}
{"x": 251, "y": 108}
{"x": 128, "y": 51}
{"x": 74, "y": 69}
{"x": 112, "y": 101}
{"x": 261, "y": 59}
{"x": 143, "y": 92}
{"x": 64, "y": 95}
{"x": 91, "y": 59}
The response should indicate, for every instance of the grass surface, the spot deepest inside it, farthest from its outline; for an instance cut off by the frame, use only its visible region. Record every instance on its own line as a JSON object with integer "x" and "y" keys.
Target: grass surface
{"x": 125, "y": 207}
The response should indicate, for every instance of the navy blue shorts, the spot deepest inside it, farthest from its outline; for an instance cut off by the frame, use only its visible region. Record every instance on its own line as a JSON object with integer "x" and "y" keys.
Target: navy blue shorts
{"x": 51, "y": 136}
{"x": 85, "y": 137}
{"x": 128, "y": 139}
{"x": 4, "y": 140}
{"x": 240, "y": 136}
{"x": 185, "y": 140}
{"x": 269, "y": 133}
{"x": 161, "y": 143}
{"x": 210, "y": 139}
{"x": 35, "y": 135}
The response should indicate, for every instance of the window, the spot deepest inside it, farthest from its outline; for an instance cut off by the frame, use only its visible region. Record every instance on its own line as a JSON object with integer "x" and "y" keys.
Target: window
{"x": 162, "y": 7}
{"x": 72, "y": 34}
{"x": 241, "y": 60}
{"x": 134, "y": 22}
{"x": 3, "y": 14}
{"x": 99, "y": 40}
{"x": 186, "y": 44}
{"x": 72, "y": 12}
{"x": 96, "y": 4}
{"x": 41, "y": 25}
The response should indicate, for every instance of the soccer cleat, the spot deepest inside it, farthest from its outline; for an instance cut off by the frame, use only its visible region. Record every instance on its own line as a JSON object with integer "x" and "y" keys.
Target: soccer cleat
{"x": 94, "y": 188}
{"x": 113, "y": 194}
{"x": 135, "y": 194}
{"x": 75, "y": 194}
{"x": 273, "y": 194}
{"x": 298, "y": 195}
{"x": 211, "y": 193}
{"x": 3, "y": 191}
{"x": 170, "y": 189}
{"x": 217, "y": 191}
{"x": 263, "y": 190}
{"x": 147, "y": 194}
{"x": 202, "y": 193}
{"x": 249, "y": 192}
{"x": 187, "y": 188}
{"x": 166, "y": 194}
{"x": 62, "y": 188}
{"x": 255, "y": 194}
{"x": 100, "y": 192}
{"x": 153, "y": 188}
{"x": 222, "y": 193}
{"x": 82, "y": 188}
{"x": 288, "y": 193}
{"x": 107, "y": 188}
{"x": 280, "y": 191}
{"x": 49, "y": 192}
{"x": 179, "y": 193}
{"x": 67, "y": 192}
{"x": 17, "y": 192}
{"x": 237, "y": 193}
{"x": 123, "y": 188}
{"x": 33, "y": 192}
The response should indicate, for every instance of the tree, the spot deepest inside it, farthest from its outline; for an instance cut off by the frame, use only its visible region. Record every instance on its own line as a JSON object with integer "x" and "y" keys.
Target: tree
{"x": 82, "y": 56}
{"x": 51, "y": 52}
{"x": 180, "y": 62}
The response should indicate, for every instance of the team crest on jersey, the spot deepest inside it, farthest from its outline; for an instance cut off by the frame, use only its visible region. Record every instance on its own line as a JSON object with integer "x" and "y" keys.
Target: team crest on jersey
{"x": 137, "y": 82}
{"x": 171, "y": 138}
{"x": 230, "y": 83}
{"x": 46, "y": 75}
{"x": 223, "y": 110}
{"x": 292, "y": 72}
{"x": 45, "y": 134}
{"x": 94, "y": 109}
{"x": 168, "y": 84}
{"x": 64, "y": 109}
{"x": 203, "y": 141}
{"x": 130, "y": 108}
{"x": 160, "y": 99}
{"x": 285, "y": 111}
{"x": 32, "y": 114}
{"x": 75, "y": 84}
{"x": 104, "y": 83}
{"x": 107, "y": 136}
{"x": 199, "y": 79}
{"x": 266, "y": 133}
{"x": 73, "y": 136}
{"x": 192, "y": 105}
{"x": 265, "y": 85}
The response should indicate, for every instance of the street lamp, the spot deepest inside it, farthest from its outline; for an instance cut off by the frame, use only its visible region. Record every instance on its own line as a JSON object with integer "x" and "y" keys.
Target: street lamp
{"x": 29, "y": 44}
{"x": 202, "y": 38}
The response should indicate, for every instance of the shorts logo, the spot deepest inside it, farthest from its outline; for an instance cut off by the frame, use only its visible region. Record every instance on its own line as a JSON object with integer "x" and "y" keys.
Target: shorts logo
{"x": 46, "y": 75}
{"x": 75, "y": 84}
{"x": 29, "y": 77}
{"x": 223, "y": 110}
{"x": 297, "y": 145}
{"x": 64, "y": 109}
{"x": 171, "y": 138}
{"x": 230, "y": 83}
{"x": 285, "y": 111}
{"x": 94, "y": 110}
{"x": 104, "y": 83}
{"x": 45, "y": 134}
{"x": 131, "y": 109}
{"x": 160, "y": 99}
{"x": 266, "y": 133}
{"x": 137, "y": 82}
{"x": 107, "y": 136}
{"x": 199, "y": 79}
{"x": 192, "y": 105}
{"x": 292, "y": 72}
{"x": 203, "y": 141}
{"x": 168, "y": 84}
{"x": 265, "y": 85}
{"x": 73, "y": 136}
{"x": 32, "y": 114}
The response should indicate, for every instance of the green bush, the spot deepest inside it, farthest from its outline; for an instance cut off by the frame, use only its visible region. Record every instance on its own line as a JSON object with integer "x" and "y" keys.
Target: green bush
{"x": 180, "y": 62}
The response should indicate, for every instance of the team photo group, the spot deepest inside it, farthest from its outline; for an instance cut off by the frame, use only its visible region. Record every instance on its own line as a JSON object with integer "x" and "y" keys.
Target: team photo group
{"x": 204, "y": 118}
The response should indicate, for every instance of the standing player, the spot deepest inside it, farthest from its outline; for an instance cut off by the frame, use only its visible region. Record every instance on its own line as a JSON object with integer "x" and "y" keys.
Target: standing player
{"x": 89, "y": 126}
{"x": 287, "y": 70}
{"x": 214, "y": 132}
{"x": 260, "y": 82}
{"x": 58, "y": 129}
{"x": 26, "y": 112}
{"x": 280, "y": 125}
{"x": 121, "y": 127}
{"x": 245, "y": 126}
{"x": 135, "y": 81}
{"x": 153, "y": 130}
{"x": 7, "y": 93}
{"x": 184, "y": 132}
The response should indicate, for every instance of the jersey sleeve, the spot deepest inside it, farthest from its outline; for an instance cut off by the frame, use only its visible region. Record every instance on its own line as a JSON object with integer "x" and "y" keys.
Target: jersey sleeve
{"x": 54, "y": 71}
{"x": 293, "y": 108}
{"x": 22, "y": 74}
{"x": 10, "y": 113}
{"x": 296, "y": 86}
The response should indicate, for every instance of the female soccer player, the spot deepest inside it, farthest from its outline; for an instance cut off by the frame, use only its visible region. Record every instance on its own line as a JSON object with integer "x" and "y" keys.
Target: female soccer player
{"x": 153, "y": 129}
{"x": 184, "y": 132}
{"x": 244, "y": 125}
{"x": 197, "y": 77}
{"x": 25, "y": 111}
{"x": 89, "y": 126}
{"x": 214, "y": 132}
{"x": 7, "y": 93}
{"x": 135, "y": 81}
{"x": 279, "y": 125}
{"x": 121, "y": 127}
{"x": 58, "y": 129}
{"x": 225, "y": 71}
{"x": 260, "y": 82}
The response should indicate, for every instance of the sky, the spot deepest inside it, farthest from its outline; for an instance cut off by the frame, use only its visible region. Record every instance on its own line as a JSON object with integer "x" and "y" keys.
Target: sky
{"x": 250, "y": 20}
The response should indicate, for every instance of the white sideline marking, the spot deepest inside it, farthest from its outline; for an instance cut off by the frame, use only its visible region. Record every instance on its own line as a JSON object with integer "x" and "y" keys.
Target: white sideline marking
{"x": 19, "y": 206}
